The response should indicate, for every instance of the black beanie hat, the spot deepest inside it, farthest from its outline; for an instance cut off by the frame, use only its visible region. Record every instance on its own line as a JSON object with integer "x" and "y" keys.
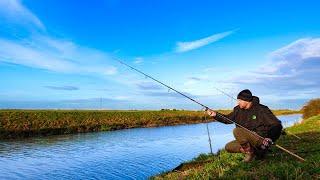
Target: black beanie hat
{"x": 245, "y": 95}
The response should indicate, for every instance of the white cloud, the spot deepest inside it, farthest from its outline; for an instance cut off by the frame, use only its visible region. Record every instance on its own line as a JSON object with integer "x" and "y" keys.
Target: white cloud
{"x": 56, "y": 55}
{"x": 292, "y": 55}
{"x": 138, "y": 60}
{"x": 148, "y": 85}
{"x": 302, "y": 48}
{"x": 65, "y": 88}
{"x": 42, "y": 51}
{"x": 195, "y": 80}
{"x": 31, "y": 57}
{"x": 188, "y": 46}
{"x": 15, "y": 11}
{"x": 291, "y": 61}
{"x": 292, "y": 72}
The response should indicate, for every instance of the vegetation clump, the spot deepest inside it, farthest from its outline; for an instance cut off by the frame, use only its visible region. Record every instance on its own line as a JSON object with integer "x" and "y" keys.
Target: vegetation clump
{"x": 312, "y": 108}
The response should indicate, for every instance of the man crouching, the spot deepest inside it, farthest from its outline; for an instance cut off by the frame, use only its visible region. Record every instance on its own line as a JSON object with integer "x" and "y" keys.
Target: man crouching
{"x": 255, "y": 117}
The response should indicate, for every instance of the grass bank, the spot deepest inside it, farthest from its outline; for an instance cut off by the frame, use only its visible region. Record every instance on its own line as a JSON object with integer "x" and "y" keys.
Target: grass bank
{"x": 277, "y": 165}
{"x": 27, "y": 123}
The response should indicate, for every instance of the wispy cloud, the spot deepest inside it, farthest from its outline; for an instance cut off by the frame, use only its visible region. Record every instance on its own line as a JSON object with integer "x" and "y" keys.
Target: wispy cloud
{"x": 195, "y": 78}
{"x": 138, "y": 60}
{"x": 169, "y": 94}
{"x": 188, "y": 46}
{"x": 56, "y": 55}
{"x": 14, "y": 10}
{"x": 293, "y": 68}
{"x": 292, "y": 55}
{"x": 149, "y": 86}
{"x": 66, "y": 88}
{"x": 42, "y": 51}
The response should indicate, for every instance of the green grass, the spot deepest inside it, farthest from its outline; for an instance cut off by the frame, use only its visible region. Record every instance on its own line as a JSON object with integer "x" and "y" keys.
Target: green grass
{"x": 277, "y": 165}
{"x": 27, "y": 123}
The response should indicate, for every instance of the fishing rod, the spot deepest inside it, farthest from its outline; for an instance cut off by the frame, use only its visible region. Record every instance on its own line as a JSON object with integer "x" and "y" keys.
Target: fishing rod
{"x": 207, "y": 108}
{"x": 292, "y": 134}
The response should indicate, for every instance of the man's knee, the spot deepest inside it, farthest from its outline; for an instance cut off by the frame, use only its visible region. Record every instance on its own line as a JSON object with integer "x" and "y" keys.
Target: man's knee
{"x": 237, "y": 132}
{"x": 232, "y": 147}
{"x": 241, "y": 136}
{"x": 228, "y": 148}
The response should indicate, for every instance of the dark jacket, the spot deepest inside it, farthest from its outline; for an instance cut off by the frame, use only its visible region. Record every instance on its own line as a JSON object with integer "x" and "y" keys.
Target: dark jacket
{"x": 258, "y": 118}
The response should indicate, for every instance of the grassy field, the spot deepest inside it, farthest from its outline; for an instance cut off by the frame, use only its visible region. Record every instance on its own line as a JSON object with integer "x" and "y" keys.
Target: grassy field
{"x": 277, "y": 165}
{"x": 27, "y": 123}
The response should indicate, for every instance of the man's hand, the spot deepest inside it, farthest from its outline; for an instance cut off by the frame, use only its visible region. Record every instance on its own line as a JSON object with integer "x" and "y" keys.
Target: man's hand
{"x": 211, "y": 113}
{"x": 267, "y": 142}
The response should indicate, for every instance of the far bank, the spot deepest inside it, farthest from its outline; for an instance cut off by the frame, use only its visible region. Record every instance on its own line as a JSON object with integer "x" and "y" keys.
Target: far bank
{"x": 29, "y": 123}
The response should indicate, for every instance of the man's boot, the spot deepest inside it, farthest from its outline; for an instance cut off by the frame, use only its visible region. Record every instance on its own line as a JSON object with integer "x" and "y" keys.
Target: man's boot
{"x": 260, "y": 153}
{"x": 249, "y": 153}
{"x": 249, "y": 157}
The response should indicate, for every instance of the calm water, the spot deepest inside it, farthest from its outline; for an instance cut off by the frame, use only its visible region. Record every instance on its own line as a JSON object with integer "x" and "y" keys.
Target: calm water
{"x": 125, "y": 154}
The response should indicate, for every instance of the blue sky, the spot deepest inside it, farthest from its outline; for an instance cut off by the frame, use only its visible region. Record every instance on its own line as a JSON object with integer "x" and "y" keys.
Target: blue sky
{"x": 61, "y": 54}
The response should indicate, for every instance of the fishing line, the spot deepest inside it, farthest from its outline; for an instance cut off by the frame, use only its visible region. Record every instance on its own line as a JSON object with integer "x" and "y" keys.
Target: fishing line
{"x": 208, "y": 132}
